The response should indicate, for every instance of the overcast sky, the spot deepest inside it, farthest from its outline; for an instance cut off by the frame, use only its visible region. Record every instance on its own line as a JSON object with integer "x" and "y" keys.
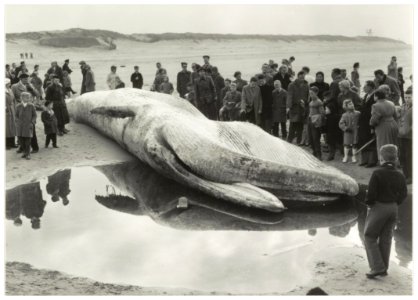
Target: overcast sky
{"x": 393, "y": 21}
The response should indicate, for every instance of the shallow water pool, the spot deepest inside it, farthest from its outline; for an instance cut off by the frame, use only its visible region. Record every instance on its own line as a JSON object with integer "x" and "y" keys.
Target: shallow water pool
{"x": 127, "y": 224}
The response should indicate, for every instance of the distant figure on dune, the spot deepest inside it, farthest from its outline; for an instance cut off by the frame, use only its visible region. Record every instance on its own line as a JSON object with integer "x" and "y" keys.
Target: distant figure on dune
{"x": 26, "y": 55}
{"x": 355, "y": 75}
{"x": 31, "y": 55}
{"x": 136, "y": 79}
{"x": 65, "y": 66}
{"x": 111, "y": 78}
{"x": 393, "y": 68}
{"x": 183, "y": 78}
{"x": 22, "y": 56}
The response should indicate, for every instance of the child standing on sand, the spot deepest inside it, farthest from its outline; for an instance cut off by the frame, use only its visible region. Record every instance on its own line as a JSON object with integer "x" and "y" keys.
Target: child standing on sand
{"x": 50, "y": 124}
{"x": 349, "y": 125}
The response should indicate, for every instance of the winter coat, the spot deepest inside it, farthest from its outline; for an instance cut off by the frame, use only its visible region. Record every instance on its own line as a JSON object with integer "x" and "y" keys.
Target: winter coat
{"x": 89, "y": 83}
{"x": 267, "y": 98}
{"x": 37, "y": 84}
{"x": 384, "y": 121}
{"x": 349, "y": 125}
{"x": 284, "y": 80}
{"x": 204, "y": 89}
{"x": 298, "y": 90}
{"x": 365, "y": 134}
{"x": 183, "y": 79}
{"x": 322, "y": 87}
{"x": 405, "y": 122}
{"x": 57, "y": 71}
{"x": 349, "y": 95}
{"x": 25, "y": 120}
{"x": 279, "y": 105}
{"x": 55, "y": 93}
{"x": 251, "y": 99}
{"x": 240, "y": 84}
{"x": 50, "y": 122}
{"x": 10, "y": 114}
{"x": 137, "y": 80}
{"x": 19, "y": 88}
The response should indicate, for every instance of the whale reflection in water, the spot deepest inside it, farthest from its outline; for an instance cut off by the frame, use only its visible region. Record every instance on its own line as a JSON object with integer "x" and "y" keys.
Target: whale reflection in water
{"x": 153, "y": 195}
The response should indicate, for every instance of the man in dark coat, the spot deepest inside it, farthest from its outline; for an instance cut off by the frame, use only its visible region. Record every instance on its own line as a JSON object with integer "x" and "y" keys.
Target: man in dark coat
{"x": 386, "y": 191}
{"x": 14, "y": 206}
{"x": 332, "y": 129}
{"x": 56, "y": 70}
{"x": 206, "y": 64}
{"x": 239, "y": 81}
{"x": 83, "y": 74}
{"x": 25, "y": 123}
{"x": 401, "y": 83}
{"x": 365, "y": 131}
{"x": 320, "y": 84}
{"x": 205, "y": 95}
{"x": 183, "y": 78}
{"x": 33, "y": 205}
{"x": 66, "y": 67}
{"x": 297, "y": 101}
{"x": 381, "y": 78}
{"x": 279, "y": 110}
{"x": 58, "y": 186}
{"x": 219, "y": 82}
{"x": 136, "y": 79}
{"x": 55, "y": 93}
{"x": 266, "y": 91}
{"x": 283, "y": 76}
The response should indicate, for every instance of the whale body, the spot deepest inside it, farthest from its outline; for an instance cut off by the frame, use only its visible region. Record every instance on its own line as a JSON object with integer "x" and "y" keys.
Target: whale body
{"x": 233, "y": 161}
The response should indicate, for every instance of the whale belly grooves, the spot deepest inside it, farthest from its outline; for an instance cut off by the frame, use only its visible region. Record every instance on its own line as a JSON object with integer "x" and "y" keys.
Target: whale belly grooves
{"x": 234, "y": 161}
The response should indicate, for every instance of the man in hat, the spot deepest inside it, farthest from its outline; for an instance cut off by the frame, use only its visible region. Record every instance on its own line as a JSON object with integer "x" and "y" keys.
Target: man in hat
{"x": 183, "y": 78}
{"x": 206, "y": 65}
{"x": 66, "y": 67}
{"x": 136, "y": 79}
{"x": 251, "y": 102}
{"x": 18, "y": 71}
{"x": 387, "y": 189}
{"x": 23, "y": 86}
{"x": 381, "y": 78}
{"x": 205, "y": 95}
{"x": 83, "y": 73}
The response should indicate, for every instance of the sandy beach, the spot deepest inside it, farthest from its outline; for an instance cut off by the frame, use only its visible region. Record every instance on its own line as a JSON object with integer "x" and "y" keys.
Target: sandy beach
{"x": 339, "y": 271}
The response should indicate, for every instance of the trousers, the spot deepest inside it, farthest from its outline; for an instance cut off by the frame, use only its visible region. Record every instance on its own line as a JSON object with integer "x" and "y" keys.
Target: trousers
{"x": 276, "y": 129}
{"x": 295, "y": 130}
{"x": 51, "y": 137}
{"x": 378, "y": 232}
{"x": 315, "y": 139}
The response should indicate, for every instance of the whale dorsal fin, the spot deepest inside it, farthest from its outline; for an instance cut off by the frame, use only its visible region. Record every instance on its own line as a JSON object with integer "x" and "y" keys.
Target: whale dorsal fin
{"x": 114, "y": 111}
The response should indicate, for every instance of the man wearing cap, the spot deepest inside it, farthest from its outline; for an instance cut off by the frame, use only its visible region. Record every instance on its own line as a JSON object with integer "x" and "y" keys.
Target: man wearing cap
{"x": 55, "y": 93}
{"x": 23, "y": 86}
{"x": 386, "y": 191}
{"x": 66, "y": 67}
{"x": 251, "y": 102}
{"x": 205, "y": 95}
{"x": 239, "y": 81}
{"x": 56, "y": 70}
{"x": 136, "y": 79}
{"x": 266, "y": 91}
{"x": 111, "y": 78}
{"x": 183, "y": 78}
{"x": 83, "y": 73}
{"x": 219, "y": 82}
{"x": 206, "y": 65}
{"x": 17, "y": 72}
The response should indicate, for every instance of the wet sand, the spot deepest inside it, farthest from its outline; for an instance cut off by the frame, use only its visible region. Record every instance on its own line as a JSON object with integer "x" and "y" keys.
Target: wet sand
{"x": 338, "y": 271}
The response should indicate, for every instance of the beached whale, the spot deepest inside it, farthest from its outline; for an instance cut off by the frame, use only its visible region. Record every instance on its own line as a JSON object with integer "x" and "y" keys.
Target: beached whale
{"x": 234, "y": 161}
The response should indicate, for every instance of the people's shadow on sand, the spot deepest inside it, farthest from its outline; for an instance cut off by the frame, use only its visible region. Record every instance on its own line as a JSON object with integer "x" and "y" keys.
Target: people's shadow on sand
{"x": 25, "y": 200}
{"x": 145, "y": 192}
{"x": 58, "y": 186}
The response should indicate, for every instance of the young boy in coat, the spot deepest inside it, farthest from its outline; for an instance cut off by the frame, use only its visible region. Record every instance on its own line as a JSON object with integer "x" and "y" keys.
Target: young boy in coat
{"x": 349, "y": 125}
{"x": 50, "y": 124}
{"x": 25, "y": 123}
{"x": 387, "y": 189}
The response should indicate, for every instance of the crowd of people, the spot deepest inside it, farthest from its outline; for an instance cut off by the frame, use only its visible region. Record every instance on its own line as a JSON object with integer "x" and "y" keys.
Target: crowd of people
{"x": 290, "y": 105}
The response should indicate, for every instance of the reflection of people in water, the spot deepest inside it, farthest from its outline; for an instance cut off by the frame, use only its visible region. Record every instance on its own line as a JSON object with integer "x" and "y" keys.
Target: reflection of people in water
{"x": 312, "y": 232}
{"x": 59, "y": 186}
{"x": 403, "y": 233}
{"x": 32, "y": 203}
{"x": 13, "y": 206}
{"x": 387, "y": 190}
{"x": 341, "y": 230}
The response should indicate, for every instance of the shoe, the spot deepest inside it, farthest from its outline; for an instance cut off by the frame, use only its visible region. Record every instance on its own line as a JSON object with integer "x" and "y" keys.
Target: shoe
{"x": 345, "y": 159}
{"x": 65, "y": 130}
{"x": 60, "y": 133}
{"x": 370, "y": 165}
{"x": 24, "y": 155}
{"x": 19, "y": 151}
{"x": 34, "y": 151}
{"x": 363, "y": 164}
{"x": 28, "y": 157}
{"x": 55, "y": 146}
{"x": 353, "y": 160}
{"x": 372, "y": 275}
